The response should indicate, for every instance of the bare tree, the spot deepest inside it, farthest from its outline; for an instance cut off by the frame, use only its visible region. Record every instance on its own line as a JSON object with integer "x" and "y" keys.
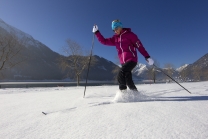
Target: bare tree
{"x": 169, "y": 68}
{"x": 152, "y": 71}
{"x": 184, "y": 74}
{"x": 197, "y": 73}
{"x": 205, "y": 74}
{"x": 75, "y": 60}
{"x": 10, "y": 51}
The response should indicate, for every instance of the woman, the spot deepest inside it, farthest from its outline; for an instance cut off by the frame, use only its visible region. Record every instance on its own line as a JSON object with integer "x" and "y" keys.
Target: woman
{"x": 126, "y": 43}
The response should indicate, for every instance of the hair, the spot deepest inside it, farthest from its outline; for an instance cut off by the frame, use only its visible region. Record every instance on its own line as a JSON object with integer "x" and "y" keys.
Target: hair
{"x": 117, "y": 20}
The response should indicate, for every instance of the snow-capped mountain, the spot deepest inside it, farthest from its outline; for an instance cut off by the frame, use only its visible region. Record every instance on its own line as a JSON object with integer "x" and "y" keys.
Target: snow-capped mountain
{"x": 196, "y": 71}
{"x": 182, "y": 67}
{"x": 140, "y": 69}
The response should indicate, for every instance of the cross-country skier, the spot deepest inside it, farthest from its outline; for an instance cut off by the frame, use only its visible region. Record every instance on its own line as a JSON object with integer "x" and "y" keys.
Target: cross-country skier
{"x": 126, "y": 43}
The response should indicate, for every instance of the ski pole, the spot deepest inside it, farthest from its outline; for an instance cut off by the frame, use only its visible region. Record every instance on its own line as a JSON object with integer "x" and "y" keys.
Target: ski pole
{"x": 172, "y": 78}
{"x": 89, "y": 64}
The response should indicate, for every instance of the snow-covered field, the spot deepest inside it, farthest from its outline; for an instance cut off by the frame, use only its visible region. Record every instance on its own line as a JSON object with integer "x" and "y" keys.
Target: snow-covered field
{"x": 161, "y": 111}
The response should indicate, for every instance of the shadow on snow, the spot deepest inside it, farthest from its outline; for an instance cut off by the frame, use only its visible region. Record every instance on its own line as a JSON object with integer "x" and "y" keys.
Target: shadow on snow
{"x": 186, "y": 98}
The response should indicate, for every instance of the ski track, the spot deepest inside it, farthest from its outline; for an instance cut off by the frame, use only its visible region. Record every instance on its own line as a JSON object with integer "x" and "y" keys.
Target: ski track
{"x": 160, "y": 111}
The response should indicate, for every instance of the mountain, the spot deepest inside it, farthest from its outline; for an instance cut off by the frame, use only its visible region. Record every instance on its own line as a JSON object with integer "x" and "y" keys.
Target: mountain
{"x": 201, "y": 62}
{"x": 199, "y": 69}
{"x": 102, "y": 69}
{"x": 140, "y": 69}
{"x": 42, "y": 63}
{"x": 10, "y": 29}
{"x": 182, "y": 68}
{"x": 145, "y": 72}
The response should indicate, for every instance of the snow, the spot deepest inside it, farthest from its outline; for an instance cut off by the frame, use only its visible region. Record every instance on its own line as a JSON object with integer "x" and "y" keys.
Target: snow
{"x": 140, "y": 68}
{"x": 182, "y": 67}
{"x": 160, "y": 111}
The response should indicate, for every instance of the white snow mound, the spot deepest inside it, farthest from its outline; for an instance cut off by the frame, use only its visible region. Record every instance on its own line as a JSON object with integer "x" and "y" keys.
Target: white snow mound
{"x": 130, "y": 96}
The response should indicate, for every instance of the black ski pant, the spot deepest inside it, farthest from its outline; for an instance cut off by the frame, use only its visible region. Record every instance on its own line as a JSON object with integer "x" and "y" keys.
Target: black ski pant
{"x": 125, "y": 76}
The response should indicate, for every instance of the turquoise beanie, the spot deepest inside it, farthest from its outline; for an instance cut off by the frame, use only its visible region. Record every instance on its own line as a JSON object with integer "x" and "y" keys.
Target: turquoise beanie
{"x": 116, "y": 24}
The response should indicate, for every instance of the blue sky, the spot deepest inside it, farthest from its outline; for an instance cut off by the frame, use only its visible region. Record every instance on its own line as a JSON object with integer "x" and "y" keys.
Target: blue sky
{"x": 172, "y": 31}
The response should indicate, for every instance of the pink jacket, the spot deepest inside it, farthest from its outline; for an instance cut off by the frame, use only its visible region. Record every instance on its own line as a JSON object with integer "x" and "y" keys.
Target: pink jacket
{"x": 126, "y": 44}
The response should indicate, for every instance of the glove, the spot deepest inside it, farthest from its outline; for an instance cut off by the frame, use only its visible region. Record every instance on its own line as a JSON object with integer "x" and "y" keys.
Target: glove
{"x": 95, "y": 28}
{"x": 150, "y": 61}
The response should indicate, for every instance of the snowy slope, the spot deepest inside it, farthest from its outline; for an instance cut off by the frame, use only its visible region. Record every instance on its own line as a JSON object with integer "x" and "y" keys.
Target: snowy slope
{"x": 182, "y": 67}
{"x": 140, "y": 69}
{"x": 168, "y": 112}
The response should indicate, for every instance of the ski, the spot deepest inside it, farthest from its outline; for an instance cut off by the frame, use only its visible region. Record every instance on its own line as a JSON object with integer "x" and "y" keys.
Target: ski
{"x": 44, "y": 113}
{"x": 65, "y": 110}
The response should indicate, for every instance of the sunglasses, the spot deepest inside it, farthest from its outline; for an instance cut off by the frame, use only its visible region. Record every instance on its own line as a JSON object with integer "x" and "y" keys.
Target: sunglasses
{"x": 115, "y": 29}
